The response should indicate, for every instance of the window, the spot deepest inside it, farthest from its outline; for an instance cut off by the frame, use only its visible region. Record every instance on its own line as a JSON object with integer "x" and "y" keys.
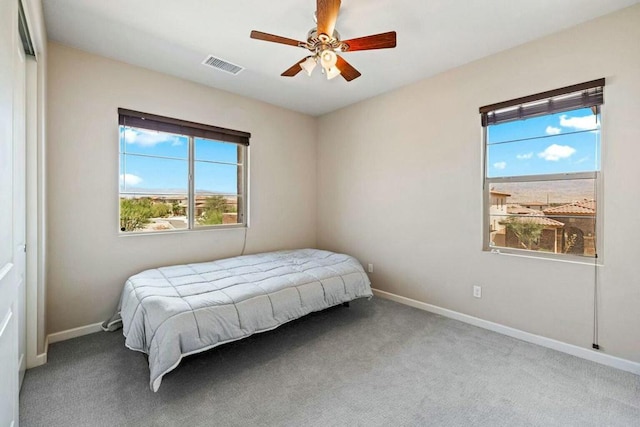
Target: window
{"x": 179, "y": 175}
{"x": 542, "y": 172}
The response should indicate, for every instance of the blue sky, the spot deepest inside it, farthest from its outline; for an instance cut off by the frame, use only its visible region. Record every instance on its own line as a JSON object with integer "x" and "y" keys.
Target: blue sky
{"x": 563, "y": 142}
{"x": 171, "y": 172}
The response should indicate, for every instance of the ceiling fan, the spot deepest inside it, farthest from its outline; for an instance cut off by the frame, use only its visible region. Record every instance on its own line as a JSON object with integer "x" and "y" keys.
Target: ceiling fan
{"x": 324, "y": 43}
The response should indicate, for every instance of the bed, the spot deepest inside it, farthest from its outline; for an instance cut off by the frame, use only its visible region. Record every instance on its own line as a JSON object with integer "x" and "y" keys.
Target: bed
{"x": 172, "y": 312}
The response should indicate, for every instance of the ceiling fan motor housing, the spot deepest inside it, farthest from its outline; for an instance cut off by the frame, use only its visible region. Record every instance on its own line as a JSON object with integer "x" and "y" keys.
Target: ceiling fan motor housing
{"x": 317, "y": 43}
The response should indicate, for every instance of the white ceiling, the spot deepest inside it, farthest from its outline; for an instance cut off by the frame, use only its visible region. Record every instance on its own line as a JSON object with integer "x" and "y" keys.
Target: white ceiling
{"x": 174, "y": 37}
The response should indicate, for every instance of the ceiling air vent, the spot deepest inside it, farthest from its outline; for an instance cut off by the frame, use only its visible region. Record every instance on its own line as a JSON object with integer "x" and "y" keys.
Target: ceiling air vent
{"x": 221, "y": 64}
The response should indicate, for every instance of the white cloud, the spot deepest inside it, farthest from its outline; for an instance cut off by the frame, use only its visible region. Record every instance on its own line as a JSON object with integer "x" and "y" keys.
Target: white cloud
{"x": 553, "y": 130}
{"x": 500, "y": 165}
{"x": 147, "y": 138}
{"x": 556, "y": 152}
{"x": 579, "y": 123}
{"x": 524, "y": 156}
{"x": 128, "y": 179}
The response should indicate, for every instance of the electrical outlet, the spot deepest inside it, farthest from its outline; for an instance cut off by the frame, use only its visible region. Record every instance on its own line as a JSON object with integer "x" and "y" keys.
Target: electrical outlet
{"x": 477, "y": 291}
{"x": 370, "y": 268}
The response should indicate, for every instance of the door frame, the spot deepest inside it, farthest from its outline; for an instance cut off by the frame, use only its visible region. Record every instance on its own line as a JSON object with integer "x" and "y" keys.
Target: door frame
{"x": 36, "y": 69}
{"x": 19, "y": 195}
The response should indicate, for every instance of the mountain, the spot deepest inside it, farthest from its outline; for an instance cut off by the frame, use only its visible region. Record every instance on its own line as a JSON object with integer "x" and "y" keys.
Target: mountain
{"x": 549, "y": 192}
{"x": 138, "y": 191}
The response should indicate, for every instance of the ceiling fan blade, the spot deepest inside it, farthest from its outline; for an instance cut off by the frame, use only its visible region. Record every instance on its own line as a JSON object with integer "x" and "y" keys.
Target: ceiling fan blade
{"x": 295, "y": 68}
{"x": 376, "y": 41}
{"x": 327, "y": 15}
{"x": 259, "y": 35}
{"x": 346, "y": 70}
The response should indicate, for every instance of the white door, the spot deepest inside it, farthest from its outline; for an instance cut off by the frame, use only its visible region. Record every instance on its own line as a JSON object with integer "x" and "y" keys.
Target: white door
{"x": 8, "y": 337}
{"x": 19, "y": 197}
{"x": 11, "y": 267}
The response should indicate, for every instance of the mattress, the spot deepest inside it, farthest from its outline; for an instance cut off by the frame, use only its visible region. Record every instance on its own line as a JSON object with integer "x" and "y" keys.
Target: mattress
{"x": 172, "y": 312}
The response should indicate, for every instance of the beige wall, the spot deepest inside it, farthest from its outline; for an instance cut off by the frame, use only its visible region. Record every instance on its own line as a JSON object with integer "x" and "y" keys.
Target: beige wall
{"x": 389, "y": 167}
{"x": 87, "y": 261}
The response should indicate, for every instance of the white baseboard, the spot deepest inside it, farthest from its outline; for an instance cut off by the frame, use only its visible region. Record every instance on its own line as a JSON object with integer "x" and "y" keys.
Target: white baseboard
{"x": 33, "y": 361}
{"x": 41, "y": 359}
{"x": 574, "y": 350}
{"x": 73, "y": 333}
{"x": 38, "y": 359}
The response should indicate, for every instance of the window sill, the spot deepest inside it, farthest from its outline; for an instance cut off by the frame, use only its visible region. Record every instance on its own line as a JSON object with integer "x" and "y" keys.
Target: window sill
{"x": 184, "y": 230}
{"x": 567, "y": 259}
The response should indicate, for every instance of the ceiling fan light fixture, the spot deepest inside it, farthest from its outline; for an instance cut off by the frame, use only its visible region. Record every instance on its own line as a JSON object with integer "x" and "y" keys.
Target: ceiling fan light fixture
{"x": 332, "y": 73}
{"x": 328, "y": 59}
{"x": 308, "y": 65}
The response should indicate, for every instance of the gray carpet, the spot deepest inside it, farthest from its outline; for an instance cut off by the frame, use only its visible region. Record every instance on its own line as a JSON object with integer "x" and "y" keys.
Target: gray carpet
{"x": 375, "y": 363}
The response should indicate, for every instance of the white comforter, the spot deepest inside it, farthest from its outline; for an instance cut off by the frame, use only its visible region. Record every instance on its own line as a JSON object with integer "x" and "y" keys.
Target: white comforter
{"x": 172, "y": 312}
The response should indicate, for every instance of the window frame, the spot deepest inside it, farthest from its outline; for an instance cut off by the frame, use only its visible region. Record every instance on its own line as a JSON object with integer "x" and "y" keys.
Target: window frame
{"x": 192, "y": 131}
{"x": 596, "y": 175}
